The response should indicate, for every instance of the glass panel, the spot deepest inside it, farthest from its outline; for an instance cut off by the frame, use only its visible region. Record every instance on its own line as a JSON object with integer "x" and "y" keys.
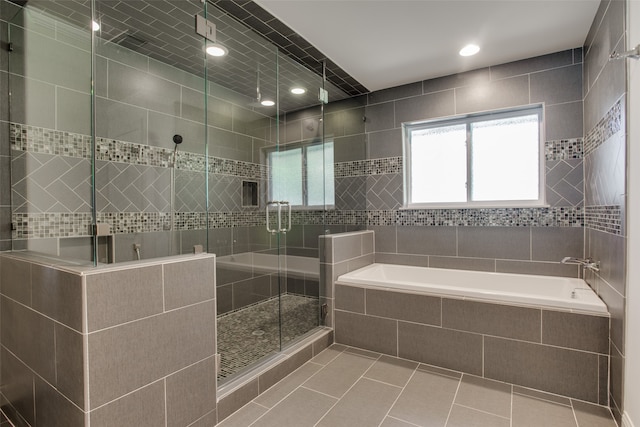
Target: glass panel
{"x": 49, "y": 125}
{"x": 505, "y": 159}
{"x": 439, "y": 165}
{"x": 286, "y": 176}
{"x": 320, "y": 177}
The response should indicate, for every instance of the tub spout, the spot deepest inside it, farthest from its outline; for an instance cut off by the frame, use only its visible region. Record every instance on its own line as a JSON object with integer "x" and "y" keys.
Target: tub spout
{"x": 585, "y": 263}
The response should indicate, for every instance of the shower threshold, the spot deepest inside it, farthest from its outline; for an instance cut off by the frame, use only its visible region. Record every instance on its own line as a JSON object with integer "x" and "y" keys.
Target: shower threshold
{"x": 247, "y": 336}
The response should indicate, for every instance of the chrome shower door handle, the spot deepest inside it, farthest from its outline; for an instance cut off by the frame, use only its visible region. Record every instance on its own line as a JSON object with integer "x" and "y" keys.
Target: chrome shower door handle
{"x": 272, "y": 230}
{"x": 288, "y": 205}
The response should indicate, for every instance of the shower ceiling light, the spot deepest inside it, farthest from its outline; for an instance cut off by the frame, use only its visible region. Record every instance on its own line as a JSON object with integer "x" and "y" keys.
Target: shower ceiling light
{"x": 469, "y": 50}
{"x": 267, "y": 103}
{"x": 298, "y": 90}
{"x": 217, "y": 50}
{"x": 95, "y": 26}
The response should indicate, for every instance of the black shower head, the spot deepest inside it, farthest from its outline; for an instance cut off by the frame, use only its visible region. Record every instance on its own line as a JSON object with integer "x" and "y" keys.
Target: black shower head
{"x": 177, "y": 139}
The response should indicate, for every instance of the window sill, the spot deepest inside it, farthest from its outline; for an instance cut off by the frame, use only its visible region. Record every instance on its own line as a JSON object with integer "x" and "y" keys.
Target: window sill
{"x": 474, "y": 206}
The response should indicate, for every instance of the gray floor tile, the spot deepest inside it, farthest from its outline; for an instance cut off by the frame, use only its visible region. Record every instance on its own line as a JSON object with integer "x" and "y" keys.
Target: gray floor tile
{"x": 279, "y": 391}
{"x": 301, "y": 408}
{"x": 485, "y": 395}
{"x": 366, "y": 404}
{"x": 592, "y": 415}
{"x": 340, "y": 374}
{"x": 394, "y": 422}
{"x": 530, "y": 412}
{"x": 426, "y": 399}
{"x": 244, "y": 416}
{"x": 392, "y": 370}
{"x": 328, "y": 354}
{"x": 461, "y": 416}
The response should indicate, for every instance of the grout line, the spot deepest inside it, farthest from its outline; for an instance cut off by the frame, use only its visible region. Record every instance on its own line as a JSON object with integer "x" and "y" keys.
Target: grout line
{"x": 573, "y": 412}
{"x": 453, "y": 401}
{"x": 482, "y": 411}
{"x": 400, "y": 394}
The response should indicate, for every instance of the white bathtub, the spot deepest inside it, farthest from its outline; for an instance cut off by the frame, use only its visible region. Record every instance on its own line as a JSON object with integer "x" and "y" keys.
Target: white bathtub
{"x": 517, "y": 289}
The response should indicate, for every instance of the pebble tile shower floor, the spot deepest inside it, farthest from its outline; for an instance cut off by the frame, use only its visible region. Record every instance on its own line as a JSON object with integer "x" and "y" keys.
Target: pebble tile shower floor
{"x": 345, "y": 386}
{"x": 247, "y": 335}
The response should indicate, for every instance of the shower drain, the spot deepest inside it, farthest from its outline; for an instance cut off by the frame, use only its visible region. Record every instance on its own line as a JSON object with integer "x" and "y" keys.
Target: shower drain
{"x": 258, "y": 332}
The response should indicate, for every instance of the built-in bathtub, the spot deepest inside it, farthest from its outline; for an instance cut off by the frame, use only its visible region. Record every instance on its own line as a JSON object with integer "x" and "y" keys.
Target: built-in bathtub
{"x": 524, "y": 290}
{"x": 545, "y": 333}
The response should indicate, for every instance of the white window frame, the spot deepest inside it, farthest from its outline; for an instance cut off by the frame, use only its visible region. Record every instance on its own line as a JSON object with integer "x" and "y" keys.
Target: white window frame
{"x": 304, "y": 183}
{"x": 408, "y": 127}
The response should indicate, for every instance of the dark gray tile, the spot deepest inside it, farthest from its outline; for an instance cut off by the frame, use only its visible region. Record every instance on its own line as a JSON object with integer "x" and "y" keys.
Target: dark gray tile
{"x": 366, "y": 403}
{"x": 120, "y": 121}
{"x": 609, "y": 250}
{"x": 603, "y": 394}
{"x": 288, "y": 384}
{"x": 541, "y": 395}
{"x": 70, "y": 379}
{"x": 494, "y": 242}
{"x": 58, "y": 294}
{"x": 162, "y": 127}
{"x": 398, "y": 92}
{"x": 30, "y": 337}
{"x": 322, "y": 343}
{"x": 446, "y": 348}
{"x": 15, "y": 277}
{"x": 577, "y": 331}
{"x": 191, "y": 393}
{"x": 557, "y": 85}
{"x": 53, "y": 407}
{"x": 350, "y": 148}
{"x": 387, "y": 143}
{"x": 17, "y": 387}
{"x": 120, "y": 359}
{"x": 379, "y": 117}
{"x": 402, "y": 259}
{"x": 349, "y": 298}
{"x": 491, "y": 319}
{"x": 616, "y": 377}
{"x": 144, "y": 407}
{"x": 497, "y": 94}
{"x": 251, "y": 291}
{"x": 346, "y": 247}
{"x": 556, "y": 370}
{"x": 116, "y": 297}
{"x": 426, "y": 240}
{"x": 367, "y": 332}
{"x": 616, "y": 307}
{"x": 438, "y": 104}
{"x": 243, "y": 416}
{"x": 563, "y": 121}
{"x": 469, "y": 78}
{"x": 404, "y": 306}
{"x": 530, "y": 65}
{"x": 555, "y": 243}
{"x": 237, "y": 399}
{"x": 188, "y": 282}
{"x": 537, "y": 268}
{"x": 73, "y": 111}
{"x": 458, "y": 263}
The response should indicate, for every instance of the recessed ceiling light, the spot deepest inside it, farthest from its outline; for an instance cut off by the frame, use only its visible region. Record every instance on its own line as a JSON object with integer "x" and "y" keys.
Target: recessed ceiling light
{"x": 469, "y": 50}
{"x": 95, "y": 26}
{"x": 217, "y": 50}
{"x": 268, "y": 103}
{"x": 298, "y": 90}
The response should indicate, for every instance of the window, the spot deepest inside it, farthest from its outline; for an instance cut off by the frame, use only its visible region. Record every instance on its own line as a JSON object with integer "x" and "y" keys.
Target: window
{"x": 302, "y": 174}
{"x": 484, "y": 160}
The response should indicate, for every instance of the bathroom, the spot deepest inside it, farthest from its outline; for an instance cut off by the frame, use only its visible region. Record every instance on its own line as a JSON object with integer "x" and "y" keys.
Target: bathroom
{"x": 156, "y": 202}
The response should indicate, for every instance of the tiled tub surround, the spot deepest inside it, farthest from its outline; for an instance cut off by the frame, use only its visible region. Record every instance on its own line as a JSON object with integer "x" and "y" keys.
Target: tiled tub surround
{"x": 132, "y": 344}
{"x": 555, "y": 351}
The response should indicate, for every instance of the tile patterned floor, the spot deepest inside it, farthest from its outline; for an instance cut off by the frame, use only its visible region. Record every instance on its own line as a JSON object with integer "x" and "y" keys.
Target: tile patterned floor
{"x": 247, "y": 335}
{"x": 345, "y": 386}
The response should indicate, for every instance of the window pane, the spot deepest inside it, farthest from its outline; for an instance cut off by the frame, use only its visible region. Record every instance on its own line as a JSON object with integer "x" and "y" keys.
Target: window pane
{"x": 286, "y": 176}
{"x": 320, "y": 174}
{"x": 505, "y": 159}
{"x": 439, "y": 165}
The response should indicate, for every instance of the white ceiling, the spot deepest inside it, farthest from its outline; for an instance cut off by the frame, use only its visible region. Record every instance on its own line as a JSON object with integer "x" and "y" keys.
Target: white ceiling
{"x": 386, "y": 43}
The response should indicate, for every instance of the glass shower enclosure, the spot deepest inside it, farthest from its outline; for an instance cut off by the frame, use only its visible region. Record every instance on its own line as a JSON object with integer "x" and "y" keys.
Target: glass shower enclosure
{"x": 129, "y": 142}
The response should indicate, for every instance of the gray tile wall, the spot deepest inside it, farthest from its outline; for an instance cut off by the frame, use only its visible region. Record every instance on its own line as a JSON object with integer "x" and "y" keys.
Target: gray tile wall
{"x": 340, "y": 254}
{"x": 142, "y": 350}
{"x": 604, "y": 89}
{"x": 5, "y": 154}
{"x": 560, "y": 352}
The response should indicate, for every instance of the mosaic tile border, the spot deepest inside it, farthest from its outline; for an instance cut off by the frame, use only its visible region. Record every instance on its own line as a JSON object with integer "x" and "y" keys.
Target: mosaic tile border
{"x": 604, "y": 218}
{"x": 382, "y": 166}
{"x": 564, "y": 149}
{"x": 609, "y": 125}
{"x": 41, "y": 140}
